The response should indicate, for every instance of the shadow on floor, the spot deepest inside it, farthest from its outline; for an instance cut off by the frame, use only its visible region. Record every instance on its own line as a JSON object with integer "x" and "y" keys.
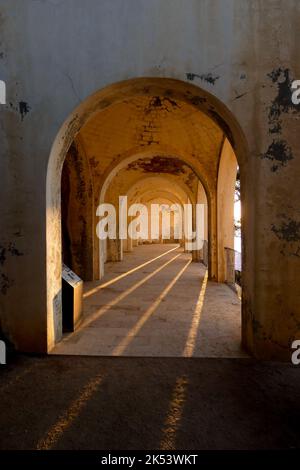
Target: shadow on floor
{"x": 59, "y": 402}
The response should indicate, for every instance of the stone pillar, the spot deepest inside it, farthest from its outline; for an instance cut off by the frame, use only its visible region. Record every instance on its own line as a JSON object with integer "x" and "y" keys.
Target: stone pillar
{"x": 114, "y": 250}
{"x": 115, "y": 246}
{"x": 128, "y": 245}
{"x": 230, "y": 266}
{"x": 196, "y": 254}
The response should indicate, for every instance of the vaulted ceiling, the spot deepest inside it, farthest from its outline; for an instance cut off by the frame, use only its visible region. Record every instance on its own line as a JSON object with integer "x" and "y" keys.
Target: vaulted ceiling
{"x": 152, "y": 124}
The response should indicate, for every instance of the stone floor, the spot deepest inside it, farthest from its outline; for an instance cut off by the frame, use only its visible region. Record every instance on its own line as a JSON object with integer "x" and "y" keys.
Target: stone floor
{"x": 156, "y": 302}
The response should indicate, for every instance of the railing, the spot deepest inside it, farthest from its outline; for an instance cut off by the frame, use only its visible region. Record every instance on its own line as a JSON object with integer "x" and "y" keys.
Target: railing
{"x": 233, "y": 260}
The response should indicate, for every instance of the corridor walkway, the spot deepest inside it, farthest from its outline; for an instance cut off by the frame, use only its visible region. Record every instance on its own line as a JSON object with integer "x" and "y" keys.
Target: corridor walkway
{"x": 156, "y": 302}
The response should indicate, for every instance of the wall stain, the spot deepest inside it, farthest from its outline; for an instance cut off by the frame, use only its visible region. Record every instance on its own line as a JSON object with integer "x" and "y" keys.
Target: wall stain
{"x": 13, "y": 250}
{"x": 282, "y": 103}
{"x": 278, "y": 152}
{"x": 163, "y": 103}
{"x": 23, "y": 109}
{"x": 288, "y": 230}
{"x": 2, "y": 255}
{"x": 159, "y": 164}
{"x": 5, "y": 283}
{"x": 205, "y": 77}
{"x": 276, "y": 128}
{"x": 197, "y": 100}
{"x": 9, "y": 249}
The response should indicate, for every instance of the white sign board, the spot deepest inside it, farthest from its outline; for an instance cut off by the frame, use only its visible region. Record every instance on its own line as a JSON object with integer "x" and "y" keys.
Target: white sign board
{"x": 69, "y": 276}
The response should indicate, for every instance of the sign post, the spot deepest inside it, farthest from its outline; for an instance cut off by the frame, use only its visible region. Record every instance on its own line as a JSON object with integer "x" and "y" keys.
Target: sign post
{"x": 72, "y": 289}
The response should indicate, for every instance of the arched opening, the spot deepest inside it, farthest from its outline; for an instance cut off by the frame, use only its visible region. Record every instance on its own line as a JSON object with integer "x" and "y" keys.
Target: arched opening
{"x": 227, "y": 174}
{"x": 132, "y": 132}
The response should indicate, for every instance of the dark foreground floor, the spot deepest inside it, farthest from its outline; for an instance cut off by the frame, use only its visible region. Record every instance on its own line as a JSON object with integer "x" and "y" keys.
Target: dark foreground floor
{"x": 143, "y": 403}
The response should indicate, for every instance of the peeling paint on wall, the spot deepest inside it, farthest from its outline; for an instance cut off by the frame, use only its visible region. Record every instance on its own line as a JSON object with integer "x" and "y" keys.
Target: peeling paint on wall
{"x": 279, "y": 152}
{"x": 5, "y": 250}
{"x": 205, "y": 77}
{"x": 196, "y": 100}
{"x": 162, "y": 103}
{"x": 282, "y": 102}
{"x": 5, "y": 283}
{"x": 159, "y": 164}
{"x": 288, "y": 232}
{"x": 10, "y": 249}
{"x": 23, "y": 109}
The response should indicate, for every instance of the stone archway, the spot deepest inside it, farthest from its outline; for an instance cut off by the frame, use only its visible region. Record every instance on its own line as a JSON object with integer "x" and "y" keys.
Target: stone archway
{"x": 153, "y": 95}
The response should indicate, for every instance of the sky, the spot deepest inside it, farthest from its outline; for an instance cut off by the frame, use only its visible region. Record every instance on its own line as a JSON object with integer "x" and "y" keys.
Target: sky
{"x": 237, "y": 216}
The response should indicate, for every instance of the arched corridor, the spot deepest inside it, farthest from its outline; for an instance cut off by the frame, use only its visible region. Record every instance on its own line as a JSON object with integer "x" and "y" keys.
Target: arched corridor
{"x": 155, "y": 145}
